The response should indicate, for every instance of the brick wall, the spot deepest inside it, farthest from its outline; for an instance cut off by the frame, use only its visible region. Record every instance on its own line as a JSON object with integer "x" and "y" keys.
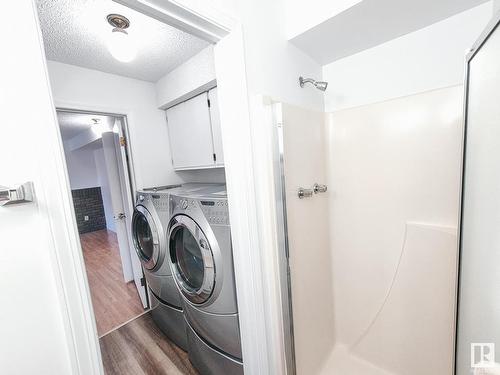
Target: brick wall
{"x": 88, "y": 202}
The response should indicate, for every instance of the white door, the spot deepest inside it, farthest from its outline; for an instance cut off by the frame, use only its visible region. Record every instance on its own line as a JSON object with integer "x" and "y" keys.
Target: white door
{"x": 128, "y": 208}
{"x": 190, "y": 134}
{"x": 112, "y": 165}
{"x": 216, "y": 130}
{"x": 39, "y": 246}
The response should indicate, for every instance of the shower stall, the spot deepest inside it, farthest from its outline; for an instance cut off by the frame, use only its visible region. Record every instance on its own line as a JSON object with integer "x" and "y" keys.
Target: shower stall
{"x": 369, "y": 265}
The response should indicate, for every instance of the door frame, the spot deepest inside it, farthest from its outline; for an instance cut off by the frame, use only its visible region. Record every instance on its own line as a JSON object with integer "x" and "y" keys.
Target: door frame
{"x": 128, "y": 164}
{"x": 258, "y": 306}
{"x": 493, "y": 25}
{"x": 112, "y": 112}
{"x": 283, "y": 260}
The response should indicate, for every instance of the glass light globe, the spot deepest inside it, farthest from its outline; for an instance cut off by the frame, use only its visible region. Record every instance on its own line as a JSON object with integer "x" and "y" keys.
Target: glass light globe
{"x": 121, "y": 46}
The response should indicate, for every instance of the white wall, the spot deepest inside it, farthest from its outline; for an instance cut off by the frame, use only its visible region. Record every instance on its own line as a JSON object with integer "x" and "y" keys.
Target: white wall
{"x": 434, "y": 56}
{"x": 81, "y": 168}
{"x": 273, "y": 65}
{"x": 424, "y": 60}
{"x": 187, "y": 80}
{"x": 80, "y": 88}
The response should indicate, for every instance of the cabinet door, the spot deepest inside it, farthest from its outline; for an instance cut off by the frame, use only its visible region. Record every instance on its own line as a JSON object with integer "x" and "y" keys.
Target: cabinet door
{"x": 190, "y": 134}
{"x": 216, "y": 131}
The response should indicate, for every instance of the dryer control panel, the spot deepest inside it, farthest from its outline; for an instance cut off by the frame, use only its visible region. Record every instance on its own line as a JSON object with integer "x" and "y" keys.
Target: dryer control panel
{"x": 216, "y": 211}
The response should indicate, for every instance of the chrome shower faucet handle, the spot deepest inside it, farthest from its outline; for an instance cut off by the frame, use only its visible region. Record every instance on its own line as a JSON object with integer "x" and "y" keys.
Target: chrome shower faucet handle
{"x": 318, "y": 188}
{"x": 305, "y": 193}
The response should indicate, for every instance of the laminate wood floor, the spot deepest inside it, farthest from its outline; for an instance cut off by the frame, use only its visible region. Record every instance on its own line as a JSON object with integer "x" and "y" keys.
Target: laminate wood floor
{"x": 140, "y": 348}
{"x": 115, "y": 302}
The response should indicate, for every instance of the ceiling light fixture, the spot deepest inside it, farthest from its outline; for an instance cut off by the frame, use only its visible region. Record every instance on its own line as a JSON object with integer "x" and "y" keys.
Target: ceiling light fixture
{"x": 120, "y": 44}
{"x": 96, "y": 126}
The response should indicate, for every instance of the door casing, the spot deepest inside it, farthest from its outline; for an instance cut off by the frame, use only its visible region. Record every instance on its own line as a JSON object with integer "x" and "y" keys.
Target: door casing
{"x": 129, "y": 188}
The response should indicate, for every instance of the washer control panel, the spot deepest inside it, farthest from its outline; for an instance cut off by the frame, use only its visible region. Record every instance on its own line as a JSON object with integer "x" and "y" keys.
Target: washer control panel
{"x": 159, "y": 201}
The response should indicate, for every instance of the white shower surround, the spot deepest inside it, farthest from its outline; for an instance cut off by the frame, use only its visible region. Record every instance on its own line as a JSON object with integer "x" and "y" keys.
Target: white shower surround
{"x": 373, "y": 261}
{"x": 392, "y": 154}
{"x": 404, "y": 166}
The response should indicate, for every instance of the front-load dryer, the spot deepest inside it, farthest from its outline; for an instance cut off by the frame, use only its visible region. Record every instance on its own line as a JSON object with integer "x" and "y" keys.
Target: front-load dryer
{"x": 149, "y": 224}
{"x": 201, "y": 259}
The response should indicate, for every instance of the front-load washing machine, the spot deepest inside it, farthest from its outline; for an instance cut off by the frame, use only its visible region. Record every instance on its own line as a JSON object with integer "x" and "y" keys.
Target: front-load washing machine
{"x": 201, "y": 259}
{"x": 149, "y": 224}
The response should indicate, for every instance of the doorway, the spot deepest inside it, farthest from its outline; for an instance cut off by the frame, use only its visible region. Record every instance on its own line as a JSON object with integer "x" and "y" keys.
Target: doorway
{"x": 99, "y": 172}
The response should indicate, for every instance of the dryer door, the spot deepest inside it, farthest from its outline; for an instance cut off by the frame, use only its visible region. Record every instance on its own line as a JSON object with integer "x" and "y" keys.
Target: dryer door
{"x": 146, "y": 237}
{"x": 192, "y": 259}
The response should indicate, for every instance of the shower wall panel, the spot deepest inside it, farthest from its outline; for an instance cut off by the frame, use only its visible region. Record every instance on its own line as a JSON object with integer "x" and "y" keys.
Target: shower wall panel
{"x": 394, "y": 175}
{"x": 305, "y": 161}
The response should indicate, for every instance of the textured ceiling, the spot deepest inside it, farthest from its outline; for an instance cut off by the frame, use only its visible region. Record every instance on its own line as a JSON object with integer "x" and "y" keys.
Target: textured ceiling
{"x": 75, "y": 32}
{"x": 72, "y": 124}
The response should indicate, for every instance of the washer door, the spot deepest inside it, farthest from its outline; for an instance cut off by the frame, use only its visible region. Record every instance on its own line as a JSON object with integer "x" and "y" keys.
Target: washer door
{"x": 191, "y": 259}
{"x": 146, "y": 239}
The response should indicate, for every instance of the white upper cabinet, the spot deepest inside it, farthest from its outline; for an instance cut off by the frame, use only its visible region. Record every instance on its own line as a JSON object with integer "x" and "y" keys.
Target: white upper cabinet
{"x": 190, "y": 134}
{"x": 194, "y": 132}
{"x": 216, "y": 131}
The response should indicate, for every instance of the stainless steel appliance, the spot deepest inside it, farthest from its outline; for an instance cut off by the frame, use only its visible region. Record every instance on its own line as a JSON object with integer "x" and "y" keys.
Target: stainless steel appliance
{"x": 201, "y": 260}
{"x": 149, "y": 224}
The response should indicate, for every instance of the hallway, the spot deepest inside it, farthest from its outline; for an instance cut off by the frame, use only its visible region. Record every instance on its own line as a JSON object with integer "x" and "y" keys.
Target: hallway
{"x": 115, "y": 302}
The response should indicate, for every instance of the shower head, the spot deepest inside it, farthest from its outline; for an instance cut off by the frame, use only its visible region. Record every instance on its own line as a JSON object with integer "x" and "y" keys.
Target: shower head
{"x": 320, "y": 85}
